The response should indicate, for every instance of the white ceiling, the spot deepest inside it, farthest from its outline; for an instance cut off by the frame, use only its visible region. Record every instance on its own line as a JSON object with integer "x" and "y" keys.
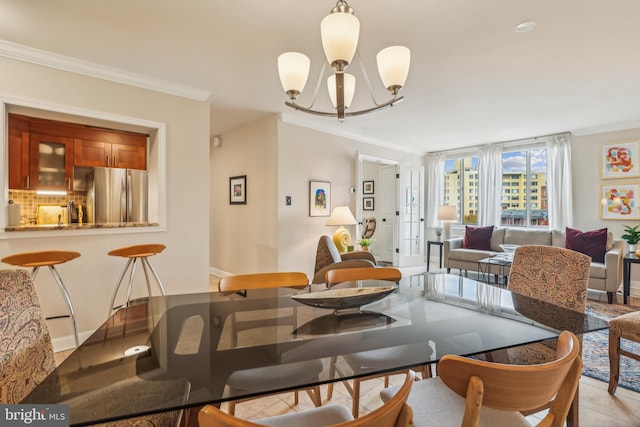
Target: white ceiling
{"x": 473, "y": 79}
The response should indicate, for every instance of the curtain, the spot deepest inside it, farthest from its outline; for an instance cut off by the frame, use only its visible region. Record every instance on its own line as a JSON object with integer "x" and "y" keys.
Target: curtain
{"x": 559, "y": 187}
{"x": 489, "y": 184}
{"x": 434, "y": 166}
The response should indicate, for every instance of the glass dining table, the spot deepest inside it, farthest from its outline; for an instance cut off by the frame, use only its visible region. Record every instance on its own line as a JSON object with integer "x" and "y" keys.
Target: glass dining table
{"x": 156, "y": 346}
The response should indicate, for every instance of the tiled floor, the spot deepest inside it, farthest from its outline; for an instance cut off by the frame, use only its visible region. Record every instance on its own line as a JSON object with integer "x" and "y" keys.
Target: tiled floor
{"x": 597, "y": 407}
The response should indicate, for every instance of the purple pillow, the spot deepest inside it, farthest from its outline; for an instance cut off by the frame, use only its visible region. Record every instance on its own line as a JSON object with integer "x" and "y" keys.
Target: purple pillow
{"x": 592, "y": 243}
{"x": 478, "y": 237}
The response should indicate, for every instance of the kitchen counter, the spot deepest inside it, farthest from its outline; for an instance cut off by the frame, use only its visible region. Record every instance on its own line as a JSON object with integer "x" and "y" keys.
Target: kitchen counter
{"x": 48, "y": 227}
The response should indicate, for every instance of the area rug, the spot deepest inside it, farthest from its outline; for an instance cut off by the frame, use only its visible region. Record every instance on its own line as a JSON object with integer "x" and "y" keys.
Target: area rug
{"x": 595, "y": 350}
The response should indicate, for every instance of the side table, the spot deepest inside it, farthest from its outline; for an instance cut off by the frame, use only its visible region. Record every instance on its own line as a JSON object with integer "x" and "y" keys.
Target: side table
{"x": 629, "y": 258}
{"x": 437, "y": 243}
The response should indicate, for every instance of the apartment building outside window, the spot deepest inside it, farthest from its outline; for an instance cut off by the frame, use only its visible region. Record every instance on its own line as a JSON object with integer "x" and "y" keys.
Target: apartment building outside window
{"x": 524, "y": 187}
{"x": 461, "y": 177}
{"x": 526, "y": 170}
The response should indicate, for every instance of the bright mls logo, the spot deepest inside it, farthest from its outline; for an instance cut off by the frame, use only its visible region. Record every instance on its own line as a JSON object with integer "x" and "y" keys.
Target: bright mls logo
{"x": 34, "y": 415}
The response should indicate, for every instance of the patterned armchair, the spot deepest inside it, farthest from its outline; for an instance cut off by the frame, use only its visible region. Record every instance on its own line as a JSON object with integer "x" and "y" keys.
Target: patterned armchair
{"x": 328, "y": 258}
{"x": 26, "y": 353}
{"x": 27, "y": 358}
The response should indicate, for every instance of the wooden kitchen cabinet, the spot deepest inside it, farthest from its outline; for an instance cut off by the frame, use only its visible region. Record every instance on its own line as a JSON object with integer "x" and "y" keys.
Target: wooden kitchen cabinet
{"x": 130, "y": 153}
{"x": 50, "y": 162}
{"x": 82, "y": 145}
{"x": 18, "y": 154}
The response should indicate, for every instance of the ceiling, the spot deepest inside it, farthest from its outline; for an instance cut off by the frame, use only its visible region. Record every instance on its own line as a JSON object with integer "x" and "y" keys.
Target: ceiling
{"x": 473, "y": 79}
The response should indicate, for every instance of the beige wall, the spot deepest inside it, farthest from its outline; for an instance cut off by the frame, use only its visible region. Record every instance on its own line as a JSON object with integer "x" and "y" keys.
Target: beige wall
{"x": 244, "y": 238}
{"x": 585, "y": 160}
{"x": 279, "y": 160}
{"x": 183, "y": 266}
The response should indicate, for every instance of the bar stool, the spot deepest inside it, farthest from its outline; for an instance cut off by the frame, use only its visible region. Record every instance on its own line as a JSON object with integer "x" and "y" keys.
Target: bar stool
{"x": 136, "y": 253}
{"x": 48, "y": 259}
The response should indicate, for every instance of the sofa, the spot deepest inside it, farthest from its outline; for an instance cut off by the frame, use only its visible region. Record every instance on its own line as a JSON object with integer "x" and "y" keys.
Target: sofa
{"x": 605, "y": 277}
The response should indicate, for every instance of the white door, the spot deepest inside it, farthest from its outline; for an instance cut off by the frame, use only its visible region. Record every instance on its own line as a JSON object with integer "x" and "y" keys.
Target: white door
{"x": 387, "y": 225}
{"x": 410, "y": 202}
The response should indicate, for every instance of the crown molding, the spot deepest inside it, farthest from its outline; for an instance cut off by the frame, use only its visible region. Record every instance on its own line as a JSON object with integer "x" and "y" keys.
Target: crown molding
{"x": 91, "y": 69}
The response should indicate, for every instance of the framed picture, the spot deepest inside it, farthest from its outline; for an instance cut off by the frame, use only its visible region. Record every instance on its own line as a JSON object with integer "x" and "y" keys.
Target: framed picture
{"x": 368, "y": 204}
{"x": 620, "y": 160}
{"x": 367, "y": 187}
{"x": 319, "y": 198}
{"x": 619, "y": 201}
{"x": 238, "y": 190}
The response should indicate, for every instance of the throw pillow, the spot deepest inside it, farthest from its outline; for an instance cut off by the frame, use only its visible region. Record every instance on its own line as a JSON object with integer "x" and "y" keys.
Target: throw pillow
{"x": 478, "y": 237}
{"x": 592, "y": 243}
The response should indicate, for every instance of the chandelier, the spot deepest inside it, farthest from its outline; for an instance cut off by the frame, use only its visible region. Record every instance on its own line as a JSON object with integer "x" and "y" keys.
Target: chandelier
{"x": 339, "y": 31}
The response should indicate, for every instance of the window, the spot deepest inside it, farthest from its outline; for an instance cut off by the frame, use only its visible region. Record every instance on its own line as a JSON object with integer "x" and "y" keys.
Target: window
{"x": 460, "y": 175}
{"x": 527, "y": 168}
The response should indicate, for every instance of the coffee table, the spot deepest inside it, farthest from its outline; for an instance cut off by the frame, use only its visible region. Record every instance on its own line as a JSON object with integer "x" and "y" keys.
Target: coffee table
{"x": 497, "y": 266}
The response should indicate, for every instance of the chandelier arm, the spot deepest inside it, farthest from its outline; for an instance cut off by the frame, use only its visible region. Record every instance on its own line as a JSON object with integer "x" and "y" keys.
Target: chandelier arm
{"x": 366, "y": 79}
{"x": 389, "y": 103}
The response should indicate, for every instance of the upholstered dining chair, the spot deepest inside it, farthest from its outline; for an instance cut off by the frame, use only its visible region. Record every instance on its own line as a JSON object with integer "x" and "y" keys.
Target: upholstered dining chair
{"x": 367, "y": 360}
{"x": 626, "y": 326}
{"x": 329, "y": 258}
{"x": 393, "y": 413}
{"x": 333, "y": 277}
{"x": 257, "y": 379}
{"x": 551, "y": 274}
{"x": 470, "y": 392}
{"x": 26, "y": 352}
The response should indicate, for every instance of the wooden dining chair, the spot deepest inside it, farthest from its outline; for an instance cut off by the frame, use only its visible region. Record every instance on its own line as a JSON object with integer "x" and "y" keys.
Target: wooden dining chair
{"x": 554, "y": 275}
{"x": 470, "y": 392}
{"x": 368, "y": 360}
{"x": 283, "y": 375}
{"x": 334, "y": 277}
{"x": 26, "y": 354}
{"x": 393, "y": 413}
{"x": 625, "y": 326}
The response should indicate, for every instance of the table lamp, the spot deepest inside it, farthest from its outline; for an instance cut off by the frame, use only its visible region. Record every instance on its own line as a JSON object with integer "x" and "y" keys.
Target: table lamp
{"x": 447, "y": 213}
{"x": 341, "y": 216}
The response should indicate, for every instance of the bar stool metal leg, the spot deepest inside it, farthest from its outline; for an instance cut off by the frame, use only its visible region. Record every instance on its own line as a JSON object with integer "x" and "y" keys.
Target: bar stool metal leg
{"x": 115, "y": 291}
{"x": 146, "y": 261}
{"x": 65, "y": 295}
{"x": 132, "y": 263}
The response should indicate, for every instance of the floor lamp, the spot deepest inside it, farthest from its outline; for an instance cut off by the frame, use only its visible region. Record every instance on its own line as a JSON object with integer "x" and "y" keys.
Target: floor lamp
{"x": 342, "y": 216}
{"x": 447, "y": 214}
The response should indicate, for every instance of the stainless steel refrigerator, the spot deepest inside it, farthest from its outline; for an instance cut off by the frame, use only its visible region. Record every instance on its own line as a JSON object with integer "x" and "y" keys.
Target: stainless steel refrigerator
{"x": 118, "y": 195}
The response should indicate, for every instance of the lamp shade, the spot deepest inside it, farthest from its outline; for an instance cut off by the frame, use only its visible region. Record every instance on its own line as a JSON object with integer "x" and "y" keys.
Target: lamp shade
{"x": 447, "y": 213}
{"x": 340, "y": 32}
{"x": 349, "y": 89}
{"x": 393, "y": 65}
{"x": 341, "y": 215}
{"x": 293, "y": 68}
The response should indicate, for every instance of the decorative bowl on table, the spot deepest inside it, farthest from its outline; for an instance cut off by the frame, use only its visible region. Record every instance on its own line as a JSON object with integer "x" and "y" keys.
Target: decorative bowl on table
{"x": 342, "y": 299}
{"x": 509, "y": 250}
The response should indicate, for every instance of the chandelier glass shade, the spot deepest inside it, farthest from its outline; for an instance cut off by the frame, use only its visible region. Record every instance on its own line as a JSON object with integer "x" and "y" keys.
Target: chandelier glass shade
{"x": 339, "y": 33}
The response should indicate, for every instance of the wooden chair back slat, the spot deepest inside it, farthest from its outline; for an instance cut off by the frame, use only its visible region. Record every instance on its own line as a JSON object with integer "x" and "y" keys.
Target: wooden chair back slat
{"x": 334, "y": 277}
{"x": 393, "y": 413}
{"x": 518, "y": 387}
{"x": 243, "y": 282}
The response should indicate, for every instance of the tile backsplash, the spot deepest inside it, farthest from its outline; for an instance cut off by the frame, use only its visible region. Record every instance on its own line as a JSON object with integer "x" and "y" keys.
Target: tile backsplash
{"x": 29, "y": 201}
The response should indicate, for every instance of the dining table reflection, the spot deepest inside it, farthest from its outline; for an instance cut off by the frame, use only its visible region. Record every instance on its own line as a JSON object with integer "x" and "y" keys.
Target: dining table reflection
{"x": 188, "y": 338}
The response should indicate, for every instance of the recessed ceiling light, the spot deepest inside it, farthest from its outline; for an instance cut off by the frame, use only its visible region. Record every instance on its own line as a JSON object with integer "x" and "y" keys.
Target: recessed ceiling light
{"x": 525, "y": 26}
